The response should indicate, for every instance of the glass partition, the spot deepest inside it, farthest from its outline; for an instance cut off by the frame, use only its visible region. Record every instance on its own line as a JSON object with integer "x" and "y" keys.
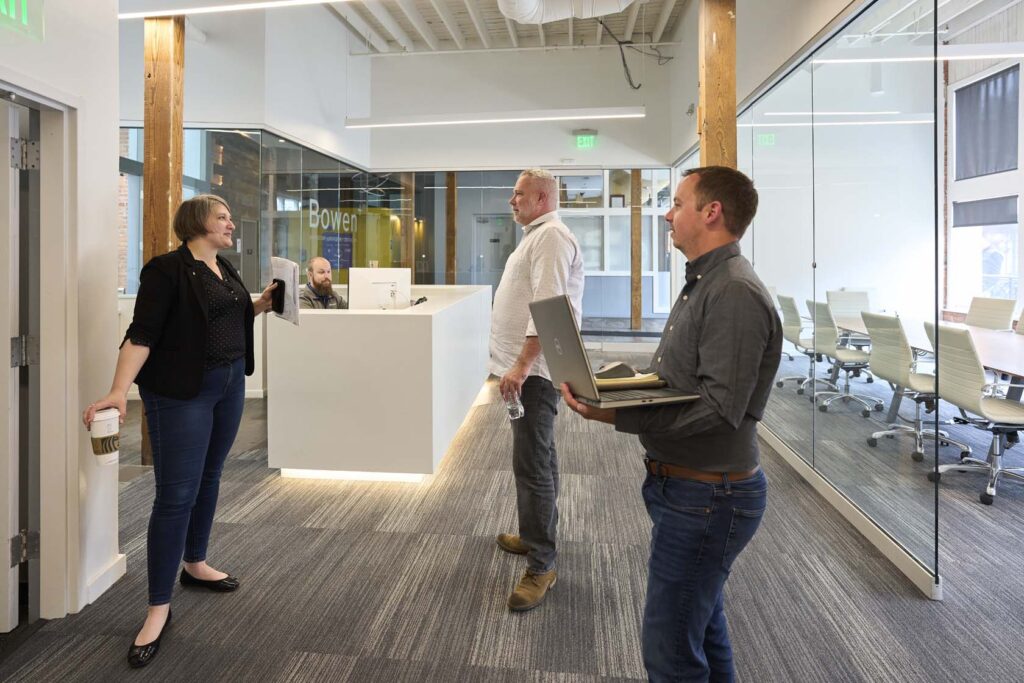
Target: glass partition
{"x": 782, "y": 162}
{"x": 842, "y": 151}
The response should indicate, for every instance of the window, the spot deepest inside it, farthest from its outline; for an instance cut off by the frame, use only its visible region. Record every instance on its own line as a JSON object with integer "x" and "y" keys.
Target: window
{"x": 984, "y": 251}
{"x": 986, "y": 125}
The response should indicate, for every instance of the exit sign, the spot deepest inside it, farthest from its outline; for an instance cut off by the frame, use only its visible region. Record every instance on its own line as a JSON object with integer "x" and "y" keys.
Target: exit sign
{"x": 23, "y": 16}
{"x": 582, "y": 141}
{"x": 766, "y": 139}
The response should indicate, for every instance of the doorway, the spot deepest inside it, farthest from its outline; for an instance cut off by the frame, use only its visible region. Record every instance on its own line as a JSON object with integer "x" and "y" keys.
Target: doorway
{"x": 20, "y": 383}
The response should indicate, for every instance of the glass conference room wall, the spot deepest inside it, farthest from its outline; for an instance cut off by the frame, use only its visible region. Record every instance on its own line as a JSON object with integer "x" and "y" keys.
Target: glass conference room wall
{"x": 842, "y": 151}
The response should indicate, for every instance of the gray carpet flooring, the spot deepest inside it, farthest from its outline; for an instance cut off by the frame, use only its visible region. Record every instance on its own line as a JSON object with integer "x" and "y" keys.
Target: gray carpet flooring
{"x": 360, "y": 581}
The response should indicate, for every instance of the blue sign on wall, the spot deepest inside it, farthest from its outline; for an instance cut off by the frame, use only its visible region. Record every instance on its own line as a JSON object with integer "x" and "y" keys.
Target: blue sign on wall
{"x": 331, "y": 249}
{"x": 346, "y": 250}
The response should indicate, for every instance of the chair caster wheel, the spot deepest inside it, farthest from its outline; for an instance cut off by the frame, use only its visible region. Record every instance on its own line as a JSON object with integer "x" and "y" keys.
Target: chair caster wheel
{"x": 877, "y": 407}
{"x": 965, "y": 454}
{"x": 917, "y": 456}
{"x": 869, "y": 380}
{"x": 811, "y": 399}
{"x": 943, "y": 443}
{"x": 872, "y": 441}
{"x": 779, "y": 384}
{"x": 986, "y": 499}
{"x": 823, "y": 408}
{"x": 865, "y": 413}
{"x": 800, "y": 391}
{"x": 934, "y": 476}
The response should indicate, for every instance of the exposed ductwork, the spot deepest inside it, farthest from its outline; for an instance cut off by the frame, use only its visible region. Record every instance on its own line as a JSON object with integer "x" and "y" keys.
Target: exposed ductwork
{"x": 544, "y": 11}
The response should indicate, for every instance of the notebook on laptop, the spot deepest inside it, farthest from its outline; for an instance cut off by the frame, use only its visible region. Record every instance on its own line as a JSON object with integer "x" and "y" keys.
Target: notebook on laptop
{"x": 567, "y": 360}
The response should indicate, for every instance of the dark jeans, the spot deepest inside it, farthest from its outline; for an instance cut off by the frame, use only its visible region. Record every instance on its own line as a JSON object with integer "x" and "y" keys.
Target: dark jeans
{"x": 535, "y": 465}
{"x": 699, "y": 530}
{"x": 190, "y": 441}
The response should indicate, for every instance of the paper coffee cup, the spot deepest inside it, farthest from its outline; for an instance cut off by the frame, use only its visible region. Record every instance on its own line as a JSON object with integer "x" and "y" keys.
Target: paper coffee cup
{"x": 105, "y": 442}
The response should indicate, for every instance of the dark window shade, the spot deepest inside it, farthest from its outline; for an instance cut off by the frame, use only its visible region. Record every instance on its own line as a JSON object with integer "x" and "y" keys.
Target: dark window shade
{"x": 997, "y": 211}
{"x": 986, "y": 125}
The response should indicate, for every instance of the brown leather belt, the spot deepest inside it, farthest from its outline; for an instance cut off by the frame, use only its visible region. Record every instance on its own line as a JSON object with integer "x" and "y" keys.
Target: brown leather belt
{"x": 662, "y": 469}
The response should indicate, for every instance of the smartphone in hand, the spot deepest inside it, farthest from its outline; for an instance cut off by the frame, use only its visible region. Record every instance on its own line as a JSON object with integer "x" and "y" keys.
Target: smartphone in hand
{"x": 277, "y": 296}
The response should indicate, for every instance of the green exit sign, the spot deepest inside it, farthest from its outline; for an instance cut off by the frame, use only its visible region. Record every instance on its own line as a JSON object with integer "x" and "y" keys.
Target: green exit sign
{"x": 23, "y": 16}
{"x": 766, "y": 139}
{"x": 582, "y": 141}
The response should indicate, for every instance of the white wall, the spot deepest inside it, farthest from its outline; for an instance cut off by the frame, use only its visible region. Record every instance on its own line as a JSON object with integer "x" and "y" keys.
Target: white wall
{"x": 767, "y": 35}
{"x": 76, "y": 64}
{"x": 502, "y": 81}
{"x": 291, "y": 74}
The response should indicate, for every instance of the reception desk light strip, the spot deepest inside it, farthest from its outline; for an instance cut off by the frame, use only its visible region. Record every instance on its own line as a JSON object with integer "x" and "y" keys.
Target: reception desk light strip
{"x": 289, "y": 473}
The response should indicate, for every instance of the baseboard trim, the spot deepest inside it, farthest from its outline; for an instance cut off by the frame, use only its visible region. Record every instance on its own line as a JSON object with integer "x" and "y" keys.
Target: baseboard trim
{"x": 922, "y": 577}
{"x": 106, "y": 578}
{"x": 255, "y": 393}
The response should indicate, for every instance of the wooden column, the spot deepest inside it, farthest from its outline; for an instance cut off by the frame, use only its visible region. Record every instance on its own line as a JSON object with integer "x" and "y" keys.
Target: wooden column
{"x": 635, "y": 251}
{"x": 717, "y": 83}
{"x": 451, "y": 214}
{"x": 164, "y": 58}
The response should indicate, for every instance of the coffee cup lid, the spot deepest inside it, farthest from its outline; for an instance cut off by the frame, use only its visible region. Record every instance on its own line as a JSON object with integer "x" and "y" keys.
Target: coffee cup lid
{"x": 107, "y": 414}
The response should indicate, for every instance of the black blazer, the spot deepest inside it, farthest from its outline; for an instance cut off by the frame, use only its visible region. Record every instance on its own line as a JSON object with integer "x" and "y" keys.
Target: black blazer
{"x": 171, "y": 318}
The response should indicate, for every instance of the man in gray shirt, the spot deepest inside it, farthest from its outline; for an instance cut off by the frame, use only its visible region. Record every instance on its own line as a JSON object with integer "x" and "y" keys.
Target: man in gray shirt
{"x": 319, "y": 292}
{"x": 704, "y": 491}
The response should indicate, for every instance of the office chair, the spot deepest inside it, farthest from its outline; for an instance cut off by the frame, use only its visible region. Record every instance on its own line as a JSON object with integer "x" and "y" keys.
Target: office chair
{"x": 893, "y": 360}
{"x": 994, "y": 314}
{"x": 962, "y": 382}
{"x": 828, "y": 342}
{"x": 792, "y": 327}
{"x": 848, "y": 303}
{"x": 774, "y": 294}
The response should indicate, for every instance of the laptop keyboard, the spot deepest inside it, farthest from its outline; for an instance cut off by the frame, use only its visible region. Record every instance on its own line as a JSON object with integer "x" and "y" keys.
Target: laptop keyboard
{"x": 632, "y": 394}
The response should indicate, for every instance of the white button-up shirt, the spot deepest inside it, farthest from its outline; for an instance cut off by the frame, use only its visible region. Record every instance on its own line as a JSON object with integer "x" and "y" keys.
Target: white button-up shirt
{"x": 547, "y": 262}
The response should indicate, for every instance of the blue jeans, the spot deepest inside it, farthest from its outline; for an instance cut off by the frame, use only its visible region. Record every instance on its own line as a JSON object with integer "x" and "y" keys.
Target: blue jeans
{"x": 190, "y": 441}
{"x": 699, "y": 530}
{"x": 535, "y": 465}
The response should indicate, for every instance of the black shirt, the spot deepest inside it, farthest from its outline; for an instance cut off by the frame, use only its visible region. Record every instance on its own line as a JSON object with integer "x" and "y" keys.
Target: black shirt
{"x": 722, "y": 340}
{"x": 171, "y": 318}
{"x": 225, "y": 336}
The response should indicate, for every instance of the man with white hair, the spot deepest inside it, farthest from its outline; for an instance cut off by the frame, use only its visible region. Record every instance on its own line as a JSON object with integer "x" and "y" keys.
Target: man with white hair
{"x": 547, "y": 263}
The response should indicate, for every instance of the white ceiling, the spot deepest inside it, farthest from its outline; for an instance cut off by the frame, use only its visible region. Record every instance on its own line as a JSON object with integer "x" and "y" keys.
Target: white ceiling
{"x": 395, "y": 26}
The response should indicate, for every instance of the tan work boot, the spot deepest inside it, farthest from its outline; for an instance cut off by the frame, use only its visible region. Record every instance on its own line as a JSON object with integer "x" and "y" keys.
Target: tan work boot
{"x": 511, "y": 543}
{"x": 531, "y": 590}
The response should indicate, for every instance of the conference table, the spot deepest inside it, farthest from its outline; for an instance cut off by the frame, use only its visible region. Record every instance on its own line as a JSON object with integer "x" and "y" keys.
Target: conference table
{"x": 1001, "y": 351}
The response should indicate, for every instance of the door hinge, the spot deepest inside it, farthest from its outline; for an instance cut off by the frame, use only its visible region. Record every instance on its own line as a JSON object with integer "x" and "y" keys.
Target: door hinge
{"x": 24, "y": 351}
{"x": 24, "y": 547}
{"x": 24, "y": 154}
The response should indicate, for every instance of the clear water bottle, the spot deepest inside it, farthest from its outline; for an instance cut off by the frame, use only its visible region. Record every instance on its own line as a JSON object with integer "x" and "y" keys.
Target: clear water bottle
{"x": 515, "y": 407}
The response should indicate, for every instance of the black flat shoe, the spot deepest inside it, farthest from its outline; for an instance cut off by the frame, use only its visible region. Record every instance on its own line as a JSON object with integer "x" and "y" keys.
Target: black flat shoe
{"x": 141, "y": 655}
{"x": 225, "y": 585}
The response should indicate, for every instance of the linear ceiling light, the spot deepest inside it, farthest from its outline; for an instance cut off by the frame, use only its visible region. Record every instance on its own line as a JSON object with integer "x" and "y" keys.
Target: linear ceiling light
{"x": 828, "y": 113}
{"x": 501, "y": 117}
{"x": 214, "y": 9}
{"x": 907, "y": 122}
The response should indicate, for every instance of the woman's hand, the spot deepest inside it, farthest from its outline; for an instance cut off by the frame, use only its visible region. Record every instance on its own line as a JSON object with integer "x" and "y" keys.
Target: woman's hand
{"x": 111, "y": 400}
{"x": 266, "y": 300}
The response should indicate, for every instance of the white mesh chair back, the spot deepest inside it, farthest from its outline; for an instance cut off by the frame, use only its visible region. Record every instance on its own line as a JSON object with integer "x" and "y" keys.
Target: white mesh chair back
{"x": 995, "y": 314}
{"x": 826, "y": 334}
{"x": 847, "y": 304}
{"x": 791, "y": 323}
{"x": 891, "y": 356}
{"x": 961, "y": 376}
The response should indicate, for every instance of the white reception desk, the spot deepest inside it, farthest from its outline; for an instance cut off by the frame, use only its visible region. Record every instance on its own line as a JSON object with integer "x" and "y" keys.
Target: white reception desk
{"x": 375, "y": 391}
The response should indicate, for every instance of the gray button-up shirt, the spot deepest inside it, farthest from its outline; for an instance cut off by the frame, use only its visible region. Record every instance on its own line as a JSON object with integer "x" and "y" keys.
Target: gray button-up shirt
{"x": 723, "y": 340}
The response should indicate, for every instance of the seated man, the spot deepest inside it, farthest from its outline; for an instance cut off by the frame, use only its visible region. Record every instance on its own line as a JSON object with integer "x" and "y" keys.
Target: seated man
{"x": 318, "y": 292}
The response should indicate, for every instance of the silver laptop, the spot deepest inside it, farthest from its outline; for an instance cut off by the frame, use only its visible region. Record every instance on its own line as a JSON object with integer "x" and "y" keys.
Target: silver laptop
{"x": 567, "y": 360}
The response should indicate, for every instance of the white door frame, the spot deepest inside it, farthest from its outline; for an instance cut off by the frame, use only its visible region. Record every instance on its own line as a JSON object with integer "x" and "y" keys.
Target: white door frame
{"x": 60, "y": 590}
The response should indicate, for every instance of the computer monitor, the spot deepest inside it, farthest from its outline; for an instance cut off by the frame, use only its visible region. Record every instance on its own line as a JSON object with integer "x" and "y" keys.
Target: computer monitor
{"x": 379, "y": 288}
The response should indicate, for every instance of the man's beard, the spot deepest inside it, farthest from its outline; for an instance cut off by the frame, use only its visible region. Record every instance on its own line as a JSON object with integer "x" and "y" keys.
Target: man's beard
{"x": 324, "y": 288}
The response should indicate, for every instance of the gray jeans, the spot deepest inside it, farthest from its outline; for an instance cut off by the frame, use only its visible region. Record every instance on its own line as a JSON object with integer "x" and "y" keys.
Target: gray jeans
{"x": 535, "y": 465}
